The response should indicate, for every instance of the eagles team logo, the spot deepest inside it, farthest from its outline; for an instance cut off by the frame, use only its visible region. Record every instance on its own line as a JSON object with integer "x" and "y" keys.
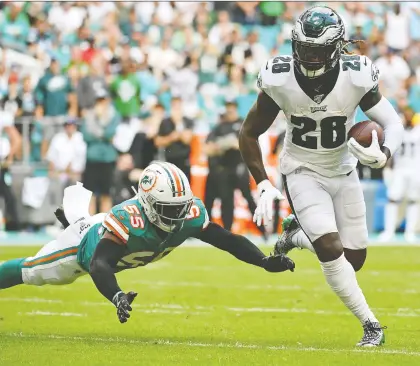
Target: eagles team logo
{"x": 148, "y": 181}
{"x": 322, "y": 108}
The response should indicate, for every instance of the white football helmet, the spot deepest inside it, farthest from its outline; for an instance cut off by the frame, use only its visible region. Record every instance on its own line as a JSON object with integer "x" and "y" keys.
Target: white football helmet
{"x": 165, "y": 194}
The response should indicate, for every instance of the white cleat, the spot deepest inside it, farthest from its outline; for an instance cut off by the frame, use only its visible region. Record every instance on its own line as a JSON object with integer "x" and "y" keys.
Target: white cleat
{"x": 373, "y": 335}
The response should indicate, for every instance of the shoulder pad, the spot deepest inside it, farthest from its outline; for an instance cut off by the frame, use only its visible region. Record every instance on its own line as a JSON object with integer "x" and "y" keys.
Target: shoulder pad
{"x": 197, "y": 217}
{"x": 362, "y": 71}
{"x": 126, "y": 219}
{"x": 275, "y": 72}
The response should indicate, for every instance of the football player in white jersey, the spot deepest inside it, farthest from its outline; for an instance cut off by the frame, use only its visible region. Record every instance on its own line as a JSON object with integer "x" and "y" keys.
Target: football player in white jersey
{"x": 403, "y": 181}
{"x": 319, "y": 88}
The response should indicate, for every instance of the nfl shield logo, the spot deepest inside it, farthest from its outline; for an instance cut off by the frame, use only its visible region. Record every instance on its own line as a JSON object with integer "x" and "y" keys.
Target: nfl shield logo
{"x": 318, "y": 98}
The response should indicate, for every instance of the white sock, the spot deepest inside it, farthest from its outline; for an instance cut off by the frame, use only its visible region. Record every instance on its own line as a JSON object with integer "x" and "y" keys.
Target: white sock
{"x": 391, "y": 217}
{"x": 341, "y": 277}
{"x": 302, "y": 241}
{"x": 412, "y": 217}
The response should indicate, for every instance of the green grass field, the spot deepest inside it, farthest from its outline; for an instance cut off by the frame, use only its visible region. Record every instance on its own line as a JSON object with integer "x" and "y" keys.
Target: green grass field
{"x": 200, "y": 306}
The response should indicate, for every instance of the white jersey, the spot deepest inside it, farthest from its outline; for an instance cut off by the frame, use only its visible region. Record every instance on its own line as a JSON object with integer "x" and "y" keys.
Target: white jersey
{"x": 408, "y": 155}
{"x": 316, "y": 134}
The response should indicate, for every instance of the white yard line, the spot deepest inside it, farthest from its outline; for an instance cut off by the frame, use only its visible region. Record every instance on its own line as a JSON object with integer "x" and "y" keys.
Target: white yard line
{"x": 145, "y": 311}
{"x": 198, "y": 309}
{"x": 31, "y": 300}
{"x": 238, "y": 345}
{"x": 49, "y": 313}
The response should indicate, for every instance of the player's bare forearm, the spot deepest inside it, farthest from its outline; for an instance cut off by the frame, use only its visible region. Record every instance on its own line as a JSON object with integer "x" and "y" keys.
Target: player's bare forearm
{"x": 243, "y": 249}
{"x": 104, "y": 261}
{"x": 251, "y": 153}
{"x": 259, "y": 119}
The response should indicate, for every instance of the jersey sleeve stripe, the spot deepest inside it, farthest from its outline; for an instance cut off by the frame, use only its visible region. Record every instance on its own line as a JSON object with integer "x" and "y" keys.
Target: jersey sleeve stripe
{"x": 115, "y": 227}
{"x": 116, "y": 233}
{"x": 122, "y": 226}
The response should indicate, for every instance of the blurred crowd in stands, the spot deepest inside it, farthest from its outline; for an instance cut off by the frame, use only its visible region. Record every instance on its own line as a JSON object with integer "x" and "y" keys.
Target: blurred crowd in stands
{"x": 117, "y": 85}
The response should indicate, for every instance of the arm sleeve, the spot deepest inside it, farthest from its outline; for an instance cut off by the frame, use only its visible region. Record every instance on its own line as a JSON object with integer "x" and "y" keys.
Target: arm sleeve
{"x": 104, "y": 261}
{"x": 384, "y": 113}
{"x": 237, "y": 245}
{"x": 115, "y": 226}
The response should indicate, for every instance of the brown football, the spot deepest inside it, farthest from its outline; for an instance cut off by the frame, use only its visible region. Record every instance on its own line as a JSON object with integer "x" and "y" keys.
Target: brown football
{"x": 362, "y": 133}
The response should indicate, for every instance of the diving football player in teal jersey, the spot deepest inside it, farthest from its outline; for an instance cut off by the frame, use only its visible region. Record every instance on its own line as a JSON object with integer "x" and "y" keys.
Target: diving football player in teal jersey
{"x": 134, "y": 233}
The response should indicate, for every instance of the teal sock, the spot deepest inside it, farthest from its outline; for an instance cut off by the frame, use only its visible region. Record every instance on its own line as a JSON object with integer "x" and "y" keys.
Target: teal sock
{"x": 11, "y": 273}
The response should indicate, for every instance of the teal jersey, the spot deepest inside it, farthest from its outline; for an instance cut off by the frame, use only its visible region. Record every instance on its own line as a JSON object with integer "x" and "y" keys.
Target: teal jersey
{"x": 143, "y": 241}
{"x": 52, "y": 92}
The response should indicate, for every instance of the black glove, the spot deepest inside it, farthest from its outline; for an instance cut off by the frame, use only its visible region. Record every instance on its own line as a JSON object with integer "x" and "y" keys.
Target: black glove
{"x": 122, "y": 302}
{"x": 278, "y": 263}
{"x": 59, "y": 214}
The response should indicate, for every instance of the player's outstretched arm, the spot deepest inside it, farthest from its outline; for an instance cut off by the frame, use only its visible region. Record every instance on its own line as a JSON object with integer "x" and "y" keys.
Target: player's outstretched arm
{"x": 109, "y": 251}
{"x": 259, "y": 119}
{"x": 243, "y": 249}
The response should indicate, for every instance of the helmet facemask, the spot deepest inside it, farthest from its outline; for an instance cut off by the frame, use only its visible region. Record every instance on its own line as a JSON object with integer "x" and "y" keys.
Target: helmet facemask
{"x": 172, "y": 215}
{"x": 167, "y": 216}
{"x": 314, "y": 59}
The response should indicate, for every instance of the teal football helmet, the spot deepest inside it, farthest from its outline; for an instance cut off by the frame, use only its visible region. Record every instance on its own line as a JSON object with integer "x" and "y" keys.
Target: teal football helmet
{"x": 317, "y": 41}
